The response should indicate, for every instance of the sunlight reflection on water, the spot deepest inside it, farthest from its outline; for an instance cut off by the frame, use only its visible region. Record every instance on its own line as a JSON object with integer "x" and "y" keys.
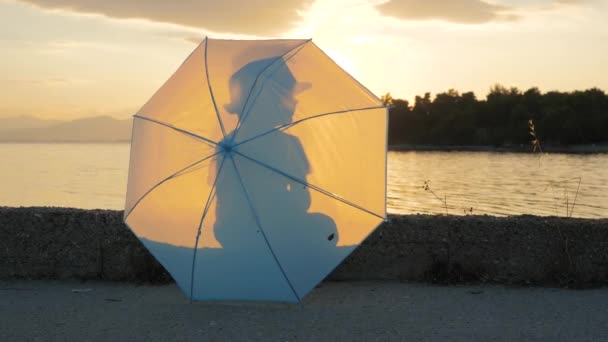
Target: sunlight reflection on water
{"x": 498, "y": 183}
{"x": 95, "y": 176}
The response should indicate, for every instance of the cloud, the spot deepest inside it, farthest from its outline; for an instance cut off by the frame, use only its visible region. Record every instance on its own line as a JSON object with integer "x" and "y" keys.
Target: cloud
{"x": 570, "y": 2}
{"x": 456, "y": 11}
{"x": 50, "y": 82}
{"x": 539, "y": 4}
{"x": 268, "y": 17}
{"x": 195, "y": 39}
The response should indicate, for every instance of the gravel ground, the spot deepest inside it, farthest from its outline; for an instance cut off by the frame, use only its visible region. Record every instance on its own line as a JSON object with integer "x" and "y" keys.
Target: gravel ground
{"x": 336, "y": 311}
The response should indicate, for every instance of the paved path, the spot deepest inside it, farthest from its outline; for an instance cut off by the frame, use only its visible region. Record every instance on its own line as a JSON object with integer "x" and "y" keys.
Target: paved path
{"x": 361, "y": 311}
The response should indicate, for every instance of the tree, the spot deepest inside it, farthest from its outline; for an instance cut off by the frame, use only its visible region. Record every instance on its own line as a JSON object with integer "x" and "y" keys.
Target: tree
{"x": 452, "y": 118}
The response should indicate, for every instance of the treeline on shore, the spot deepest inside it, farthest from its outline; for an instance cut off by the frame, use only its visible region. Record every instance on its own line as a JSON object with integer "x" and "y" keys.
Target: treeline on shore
{"x": 502, "y": 119}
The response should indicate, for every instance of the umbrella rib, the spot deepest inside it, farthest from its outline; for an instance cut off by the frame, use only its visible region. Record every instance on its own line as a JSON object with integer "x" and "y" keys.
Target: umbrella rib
{"x": 211, "y": 90}
{"x": 260, "y": 74}
{"x": 297, "y": 49}
{"x": 314, "y": 187}
{"x": 174, "y": 175}
{"x": 369, "y": 92}
{"x": 200, "y": 225}
{"x": 137, "y": 116}
{"x": 258, "y": 223}
{"x": 291, "y": 124}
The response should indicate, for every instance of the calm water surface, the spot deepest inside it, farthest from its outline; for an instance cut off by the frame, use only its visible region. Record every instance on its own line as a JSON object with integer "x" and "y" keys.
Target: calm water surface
{"x": 499, "y": 183}
{"x": 95, "y": 176}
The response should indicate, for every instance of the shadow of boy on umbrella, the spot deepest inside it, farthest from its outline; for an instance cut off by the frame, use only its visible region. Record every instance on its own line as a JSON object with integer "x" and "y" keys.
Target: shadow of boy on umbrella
{"x": 277, "y": 203}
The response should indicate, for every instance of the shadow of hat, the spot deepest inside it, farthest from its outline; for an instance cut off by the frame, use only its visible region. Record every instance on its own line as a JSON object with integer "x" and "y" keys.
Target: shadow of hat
{"x": 255, "y": 74}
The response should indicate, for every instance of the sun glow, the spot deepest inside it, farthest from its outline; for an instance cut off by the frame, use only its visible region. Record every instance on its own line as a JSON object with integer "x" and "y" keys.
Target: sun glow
{"x": 79, "y": 64}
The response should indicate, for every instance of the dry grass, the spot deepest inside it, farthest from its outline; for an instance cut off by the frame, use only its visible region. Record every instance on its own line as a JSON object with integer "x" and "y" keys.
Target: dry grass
{"x": 559, "y": 185}
{"x": 444, "y": 200}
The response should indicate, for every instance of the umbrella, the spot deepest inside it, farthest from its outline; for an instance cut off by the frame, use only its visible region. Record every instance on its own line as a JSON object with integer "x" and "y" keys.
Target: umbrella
{"x": 256, "y": 169}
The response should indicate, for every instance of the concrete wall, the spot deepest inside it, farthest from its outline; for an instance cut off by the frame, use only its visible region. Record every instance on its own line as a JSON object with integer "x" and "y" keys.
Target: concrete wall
{"x": 61, "y": 243}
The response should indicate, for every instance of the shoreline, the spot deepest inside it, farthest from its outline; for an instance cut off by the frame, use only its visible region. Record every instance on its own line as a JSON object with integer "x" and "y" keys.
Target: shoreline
{"x": 575, "y": 149}
{"x": 67, "y": 142}
{"x": 67, "y": 243}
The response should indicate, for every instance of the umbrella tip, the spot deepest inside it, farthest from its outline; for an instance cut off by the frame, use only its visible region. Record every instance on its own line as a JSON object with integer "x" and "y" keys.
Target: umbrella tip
{"x": 227, "y": 146}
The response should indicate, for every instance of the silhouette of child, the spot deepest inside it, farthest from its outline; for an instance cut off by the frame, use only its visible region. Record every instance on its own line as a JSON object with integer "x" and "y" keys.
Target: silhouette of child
{"x": 278, "y": 200}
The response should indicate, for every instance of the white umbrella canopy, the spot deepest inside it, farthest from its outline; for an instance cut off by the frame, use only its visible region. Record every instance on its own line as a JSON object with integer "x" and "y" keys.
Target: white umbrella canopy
{"x": 256, "y": 169}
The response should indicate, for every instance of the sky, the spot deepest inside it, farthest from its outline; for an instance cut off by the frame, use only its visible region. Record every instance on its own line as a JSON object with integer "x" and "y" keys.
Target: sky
{"x": 67, "y": 59}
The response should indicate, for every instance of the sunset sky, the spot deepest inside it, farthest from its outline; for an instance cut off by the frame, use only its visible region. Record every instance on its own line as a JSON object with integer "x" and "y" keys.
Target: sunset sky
{"x": 74, "y": 58}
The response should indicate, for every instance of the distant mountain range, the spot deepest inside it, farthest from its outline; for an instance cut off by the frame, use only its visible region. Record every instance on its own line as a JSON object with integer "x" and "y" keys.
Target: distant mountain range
{"x": 24, "y": 122}
{"x": 95, "y": 129}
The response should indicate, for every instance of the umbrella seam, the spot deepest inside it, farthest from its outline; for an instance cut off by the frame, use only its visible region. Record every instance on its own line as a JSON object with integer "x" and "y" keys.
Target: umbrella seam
{"x": 291, "y": 124}
{"x": 183, "y": 131}
{"x": 131, "y": 156}
{"x": 258, "y": 76}
{"x": 211, "y": 90}
{"x": 169, "y": 270}
{"x": 354, "y": 249}
{"x": 200, "y": 226}
{"x": 175, "y": 72}
{"x": 387, "y": 117}
{"x": 172, "y": 176}
{"x": 349, "y": 75}
{"x": 314, "y": 187}
{"x": 246, "y": 114}
{"x": 258, "y": 223}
